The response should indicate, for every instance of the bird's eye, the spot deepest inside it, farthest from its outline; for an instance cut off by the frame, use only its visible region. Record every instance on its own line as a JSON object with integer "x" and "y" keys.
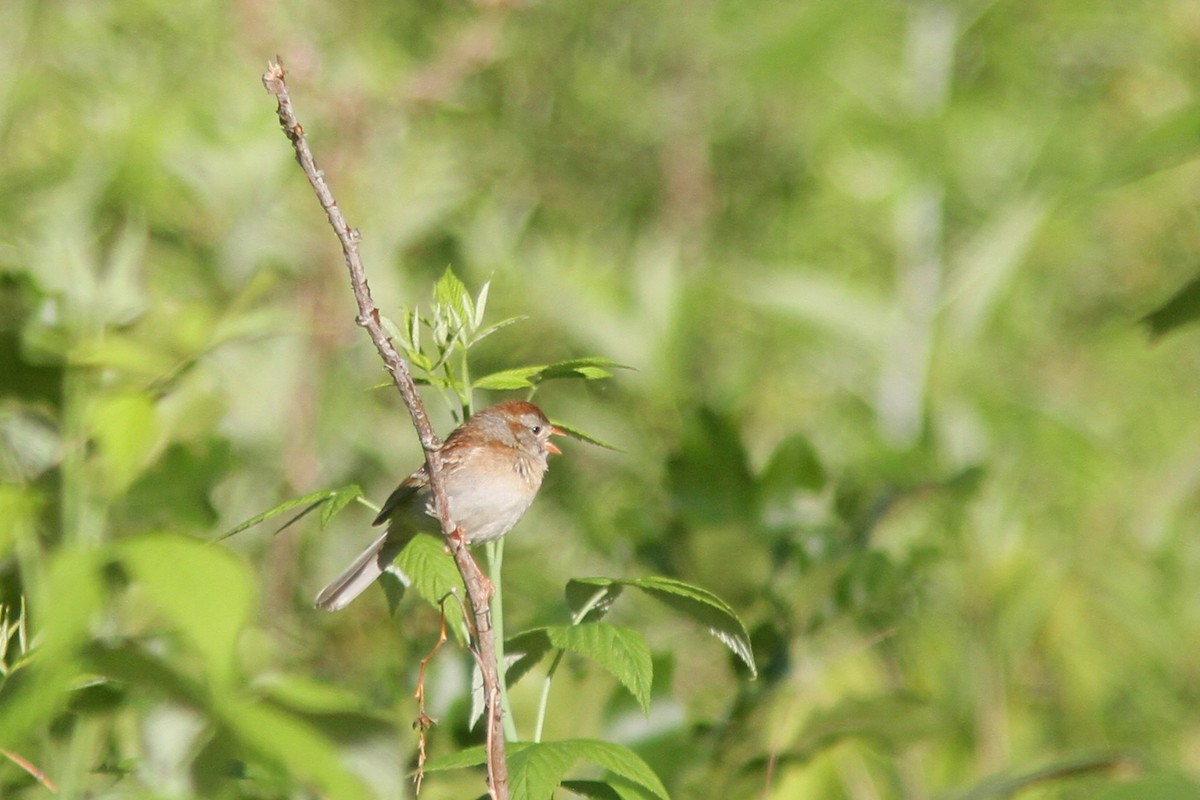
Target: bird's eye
{"x": 536, "y": 429}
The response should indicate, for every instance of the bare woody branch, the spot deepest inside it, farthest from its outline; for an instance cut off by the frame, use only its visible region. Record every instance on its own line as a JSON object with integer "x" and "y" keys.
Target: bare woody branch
{"x": 477, "y": 585}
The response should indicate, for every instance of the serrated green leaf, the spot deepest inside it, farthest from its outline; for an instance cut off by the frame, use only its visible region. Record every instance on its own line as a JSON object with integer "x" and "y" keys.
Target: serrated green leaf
{"x": 508, "y": 379}
{"x": 576, "y": 433}
{"x": 451, "y": 294}
{"x": 394, "y": 588}
{"x": 615, "y": 788}
{"x": 469, "y": 757}
{"x": 694, "y": 602}
{"x": 621, "y": 651}
{"x": 339, "y": 500}
{"x": 435, "y": 576}
{"x": 312, "y": 499}
{"x": 489, "y": 330}
{"x": 530, "y": 647}
{"x": 481, "y": 305}
{"x": 597, "y": 790}
{"x": 588, "y": 368}
{"x": 536, "y": 770}
{"x": 204, "y": 591}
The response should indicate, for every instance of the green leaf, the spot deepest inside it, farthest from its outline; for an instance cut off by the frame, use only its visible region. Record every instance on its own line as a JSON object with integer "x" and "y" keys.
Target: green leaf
{"x": 205, "y": 591}
{"x": 598, "y": 790}
{"x": 536, "y": 769}
{"x": 1182, "y": 308}
{"x": 435, "y": 576}
{"x": 339, "y": 500}
{"x": 470, "y": 757}
{"x": 575, "y": 433}
{"x": 529, "y": 647}
{"x": 342, "y": 497}
{"x": 479, "y": 336}
{"x": 621, "y": 651}
{"x": 589, "y": 368}
{"x": 451, "y": 294}
{"x": 694, "y": 602}
{"x": 615, "y": 788}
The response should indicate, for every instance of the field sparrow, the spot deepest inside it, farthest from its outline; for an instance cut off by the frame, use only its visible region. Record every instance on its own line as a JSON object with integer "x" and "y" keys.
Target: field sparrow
{"x": 492, "y": 467}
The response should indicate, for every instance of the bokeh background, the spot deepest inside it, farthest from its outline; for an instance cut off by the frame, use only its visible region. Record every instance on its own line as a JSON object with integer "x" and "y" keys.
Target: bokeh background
{"x": 878, "y": 268}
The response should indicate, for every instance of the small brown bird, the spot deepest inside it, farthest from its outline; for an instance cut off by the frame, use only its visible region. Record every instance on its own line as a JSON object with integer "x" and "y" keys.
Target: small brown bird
{"x": 492, "y": 467}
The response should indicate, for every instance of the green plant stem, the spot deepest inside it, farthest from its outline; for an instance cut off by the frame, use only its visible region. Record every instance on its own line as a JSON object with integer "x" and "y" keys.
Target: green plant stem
{"x": 495, "y": 556}
{"x": 544, "y": 702}
{"x": 465, "y": 390}
{"x": 83, "y": 517}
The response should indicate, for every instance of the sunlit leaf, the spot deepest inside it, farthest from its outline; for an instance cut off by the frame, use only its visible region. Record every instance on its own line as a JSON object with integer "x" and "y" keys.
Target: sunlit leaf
{"x": 339, "y": 500}
{"x": 451, "y": 295}
{"x": 590, "y": 368}
{"x": 436, "y": 578}
{"x": 344, "y": 496}
{"x": 694, "y": 602}
{"x": 535, "y": 770}
{"x": 576, "y": 433}
{"x": 621, "y": 651}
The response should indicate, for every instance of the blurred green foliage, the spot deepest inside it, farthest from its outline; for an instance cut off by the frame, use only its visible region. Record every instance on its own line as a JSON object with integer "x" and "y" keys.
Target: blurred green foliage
{"x": 879, "y": 268}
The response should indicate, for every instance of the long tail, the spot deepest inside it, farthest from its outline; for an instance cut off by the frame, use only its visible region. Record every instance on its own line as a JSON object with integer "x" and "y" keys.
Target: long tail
{"x": 369, "y": 565}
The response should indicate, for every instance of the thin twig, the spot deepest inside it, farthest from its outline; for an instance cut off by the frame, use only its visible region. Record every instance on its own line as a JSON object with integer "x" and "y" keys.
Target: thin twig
{"x": 26, "y": 765}
{"x": 368, "y": 317}
{"x": 424, "y": 722}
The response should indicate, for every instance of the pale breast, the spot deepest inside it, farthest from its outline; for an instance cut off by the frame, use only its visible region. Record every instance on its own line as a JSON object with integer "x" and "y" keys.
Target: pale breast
{"x": 490, "y": 492}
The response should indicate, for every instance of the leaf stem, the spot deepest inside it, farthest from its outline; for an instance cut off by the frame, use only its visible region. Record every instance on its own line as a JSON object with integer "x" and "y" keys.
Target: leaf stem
{"x": 495, "y": 557}
{"x": 544, "y": 702}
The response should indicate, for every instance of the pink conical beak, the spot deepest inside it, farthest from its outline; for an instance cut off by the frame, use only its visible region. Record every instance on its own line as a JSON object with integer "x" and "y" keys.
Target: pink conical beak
{"x": 551, "y": 447}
